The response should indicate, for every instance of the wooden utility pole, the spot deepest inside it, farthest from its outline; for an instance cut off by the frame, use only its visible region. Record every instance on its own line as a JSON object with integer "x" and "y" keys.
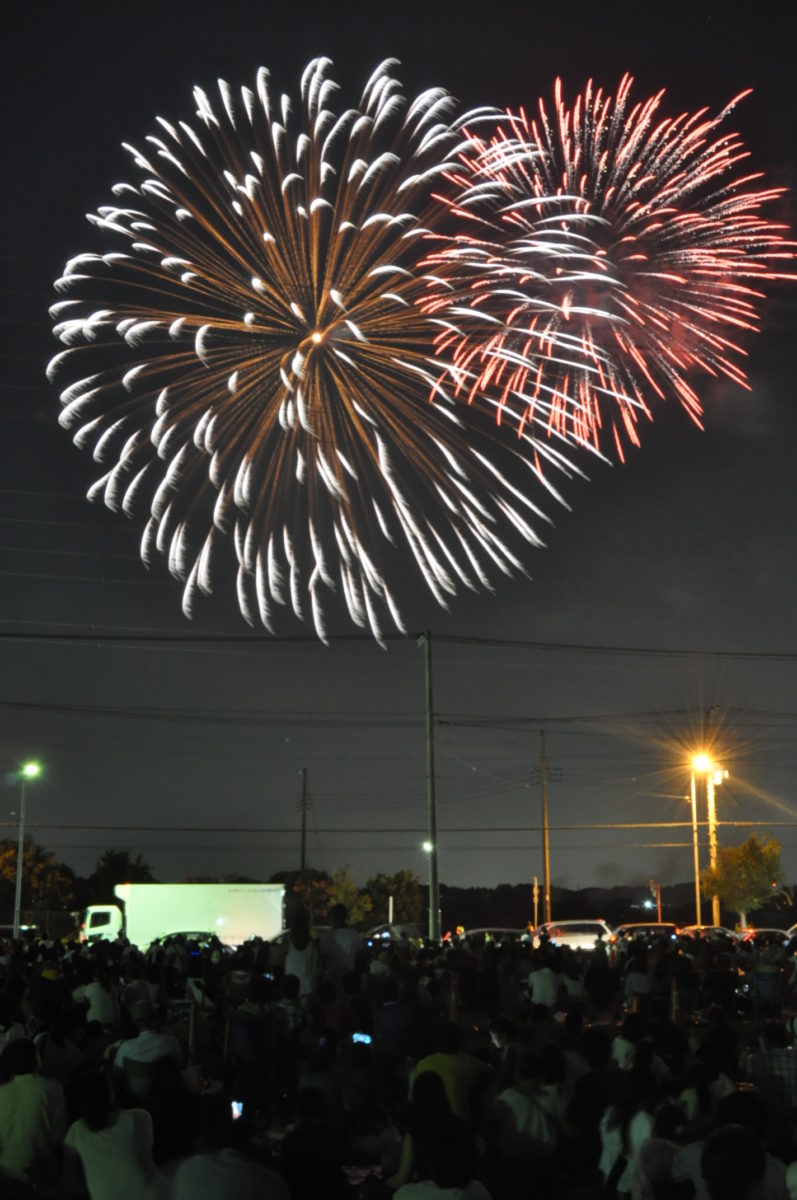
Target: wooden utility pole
{"x": 303, "y": 834}
{"x": 546, "y": 857}
{"x": 711, "y": 808}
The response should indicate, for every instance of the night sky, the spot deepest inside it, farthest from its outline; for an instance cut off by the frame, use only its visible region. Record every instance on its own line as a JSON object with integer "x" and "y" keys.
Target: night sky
{"x": 666, "y": 590}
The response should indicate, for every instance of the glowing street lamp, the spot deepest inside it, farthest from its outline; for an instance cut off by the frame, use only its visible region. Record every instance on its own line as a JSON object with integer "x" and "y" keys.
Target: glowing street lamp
{"x": 28, "y": 770}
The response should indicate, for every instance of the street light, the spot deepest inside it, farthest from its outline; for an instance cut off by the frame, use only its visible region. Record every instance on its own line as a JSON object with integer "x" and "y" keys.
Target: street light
{"x": 28, "y": 770}
{"x": 430, "y": 846}
{"x": 715, "y": 775}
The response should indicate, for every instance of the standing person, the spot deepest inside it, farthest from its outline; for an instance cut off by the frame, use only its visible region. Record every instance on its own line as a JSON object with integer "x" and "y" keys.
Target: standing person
{"x": 32, "y": 1121}
{"x": 301, "y": 955}
{"x": 544, "y": 982}
{"x": 341, "y": 947}
{"x": 114, "y": 1146}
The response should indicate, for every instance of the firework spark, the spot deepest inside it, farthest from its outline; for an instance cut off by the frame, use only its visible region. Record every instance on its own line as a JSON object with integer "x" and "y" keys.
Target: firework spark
{"x": 259, "y": 365}
{"x": 663, "y": 248}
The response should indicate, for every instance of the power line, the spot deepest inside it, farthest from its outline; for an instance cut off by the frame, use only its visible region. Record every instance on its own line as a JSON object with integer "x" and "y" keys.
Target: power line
{"x": 265, "y": 639}
{"x": 398, "y": 829}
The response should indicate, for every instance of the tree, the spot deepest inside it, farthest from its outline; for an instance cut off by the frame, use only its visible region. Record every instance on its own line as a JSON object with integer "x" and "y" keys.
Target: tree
{"x": 345, "y": 891}
{"x": 747, "y": 877}
{"x": 408, "y": 901}
{"x": 308, "y": 889}
{"x": 117, "y": 866}
{"x": 46, "y": 883}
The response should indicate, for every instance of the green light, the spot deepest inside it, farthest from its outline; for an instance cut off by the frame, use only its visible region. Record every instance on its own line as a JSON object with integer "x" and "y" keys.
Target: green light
{"x": 30, "y": 770}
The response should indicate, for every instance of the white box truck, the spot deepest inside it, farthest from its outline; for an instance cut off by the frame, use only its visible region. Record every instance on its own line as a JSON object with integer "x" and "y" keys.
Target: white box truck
{"x": 231, "y": 911}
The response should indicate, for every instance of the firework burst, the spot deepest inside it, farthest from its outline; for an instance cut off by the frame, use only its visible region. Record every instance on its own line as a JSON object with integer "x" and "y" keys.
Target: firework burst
{"x": 662, "y": 252}
{"x": 250, "y": 357}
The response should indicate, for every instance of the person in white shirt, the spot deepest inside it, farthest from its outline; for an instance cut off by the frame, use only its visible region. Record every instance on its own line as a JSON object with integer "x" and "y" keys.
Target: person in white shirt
{"x": 32, "y": 1120}
{"x": 341, "y": 946}
{"x": 11, "y": 1026}
{"x": 523, "y": 1115}
{"x": 99, "y": 996}
{"x": 301, "y": 955}
{"x": 544, "y": 982}
{"x": 113, "y": 1146}
{"x": 150, "y": 1045}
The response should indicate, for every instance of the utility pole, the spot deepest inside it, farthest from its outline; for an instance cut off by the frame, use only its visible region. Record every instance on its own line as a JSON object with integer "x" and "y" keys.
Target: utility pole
{"x": 695, "y": 848}
{"x": 546, "y": 858}
{"x": 303, "y": 834}
{"x": 711, "y": 809}
{"x": 425, "y": 640}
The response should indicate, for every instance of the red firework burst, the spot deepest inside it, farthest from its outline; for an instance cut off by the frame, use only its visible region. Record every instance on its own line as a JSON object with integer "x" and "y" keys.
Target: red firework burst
{"x": 613, "y": 254}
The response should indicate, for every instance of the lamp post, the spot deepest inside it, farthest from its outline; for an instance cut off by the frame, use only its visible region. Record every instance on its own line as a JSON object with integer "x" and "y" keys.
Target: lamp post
{"x": 430, "y": 846}
{"x": 714, "y": 776}
{"x": 429, "y": 849}
{"x": 29, "y": 770}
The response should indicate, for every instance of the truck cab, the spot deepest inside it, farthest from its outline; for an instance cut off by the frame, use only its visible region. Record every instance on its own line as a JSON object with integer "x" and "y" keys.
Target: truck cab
{"x": 101, "y": 922}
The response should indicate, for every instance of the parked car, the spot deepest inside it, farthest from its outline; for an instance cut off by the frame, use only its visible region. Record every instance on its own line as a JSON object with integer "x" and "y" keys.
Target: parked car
{"x": 191, "y": 939}
{"x": 385, "y": 934}
{"x": 710, "y": 932}
{"x": 577, "y": 935}
{"x": 647, "y": 932}
{"x": 764, "y": 936}
{"x": 492, "y": 933}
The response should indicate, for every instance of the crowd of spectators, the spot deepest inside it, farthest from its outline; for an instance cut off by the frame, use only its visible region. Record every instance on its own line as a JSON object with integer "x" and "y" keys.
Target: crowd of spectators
{"x": 319, "y": 1067}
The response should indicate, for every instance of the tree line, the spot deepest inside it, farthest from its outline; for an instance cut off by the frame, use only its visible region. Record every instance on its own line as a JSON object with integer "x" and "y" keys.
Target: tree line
{"x": 51, "y": 886}
{"x": 746, "y": 878}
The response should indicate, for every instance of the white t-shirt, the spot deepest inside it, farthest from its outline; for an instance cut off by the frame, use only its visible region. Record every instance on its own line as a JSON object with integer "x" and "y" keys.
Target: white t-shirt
{"x": 117, "y": 1161}
{"x": 101, "y": 1004}
{"x": 427, "y": 1190}
{"x": 32, "y": 1124}
{"x": 304, "y": 965}
{"x": 225, "y": 1175}
{"x": 149, "y": 1046}
{"x": 544, "y": 986}
{"x": 686, "y": 1165}
{"x": 341, "y": 947}
{"x": 523, "y": 1117}
{"x": 11, "y": 1033}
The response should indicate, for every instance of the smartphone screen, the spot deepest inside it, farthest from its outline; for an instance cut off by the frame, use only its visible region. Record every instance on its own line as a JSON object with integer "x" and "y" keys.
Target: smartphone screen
{"x": 363, "y": 1039}
{"x": 236, "y": 1109}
